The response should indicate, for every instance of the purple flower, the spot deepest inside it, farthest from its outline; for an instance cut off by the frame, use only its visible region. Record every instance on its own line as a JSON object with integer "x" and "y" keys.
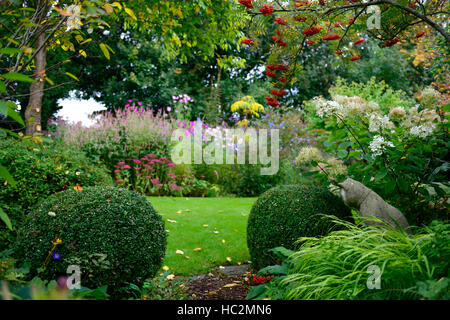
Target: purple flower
{"x": 217, "y": 174}
{"x": 56, "y": 256}
{"x": 126, "y": 167}
{"x": 62, "y": 282}
{"x": 155, "y": 181}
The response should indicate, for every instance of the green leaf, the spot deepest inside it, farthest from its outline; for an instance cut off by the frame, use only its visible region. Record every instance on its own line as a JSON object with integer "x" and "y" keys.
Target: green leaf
{"x": 342, "y": 154}
{"x": 7, "y": 108}
{"x": 2, "y": 87}
{"x": 4, "y": 173}
{"x": 4, "y": 108}
{"x": 105, "y": 50}
{"x": 381, "y": 174}
{"x": 9, "y": 50}
{"x": 275, "y": 270}
{"x": 282, "y": 252}
{"x": 256, "y": 292}
{"x": 17, "y": 77}
{"x": 346, "y": 144}
{"x": 5, "y": 219}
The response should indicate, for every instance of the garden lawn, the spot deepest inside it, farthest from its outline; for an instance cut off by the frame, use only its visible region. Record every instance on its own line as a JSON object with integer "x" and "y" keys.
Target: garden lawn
{"x": 209, "y": 232}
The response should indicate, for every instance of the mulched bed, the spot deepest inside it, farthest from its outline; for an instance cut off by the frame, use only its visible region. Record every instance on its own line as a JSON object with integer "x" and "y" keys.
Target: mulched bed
{"x": 218, "y": 287}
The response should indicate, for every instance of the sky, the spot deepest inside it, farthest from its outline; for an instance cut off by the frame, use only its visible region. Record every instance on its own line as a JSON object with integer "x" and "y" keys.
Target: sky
{"x": 75, "y": 110}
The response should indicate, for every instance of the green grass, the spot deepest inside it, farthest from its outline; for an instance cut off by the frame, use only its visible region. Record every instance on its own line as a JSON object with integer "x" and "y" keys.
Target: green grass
{"x": 223, "y": 237}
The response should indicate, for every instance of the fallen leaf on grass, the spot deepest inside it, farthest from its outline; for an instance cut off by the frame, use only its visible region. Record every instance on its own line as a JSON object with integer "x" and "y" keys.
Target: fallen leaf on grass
{"x": 170, "y": 277}
{"x": 223, "y": 241}
{"x": 244, "y": 214}
{"x": 216, "y": 232}
{"x": 198, "y": 249}
{"x": 187, "y": 257}
{"x": 235, "y": 230}
{"x": 179, "y": 252}
{"x": 205, "y": 225}
{"x": 165, "y": 268}
{"x": 179, "y": 211}
{"x": 229, "y": 259}
{"x": 187, "y": 210}
{"x": 171, "y": 221}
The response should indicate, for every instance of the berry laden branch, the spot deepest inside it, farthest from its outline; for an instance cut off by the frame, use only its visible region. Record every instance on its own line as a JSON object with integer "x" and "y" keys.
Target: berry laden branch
{"x": 316, "y": 11}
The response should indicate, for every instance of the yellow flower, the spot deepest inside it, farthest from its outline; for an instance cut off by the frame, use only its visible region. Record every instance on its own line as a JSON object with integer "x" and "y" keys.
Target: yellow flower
{"x": 78, "y": 188}
{"x": 56, "y": 242}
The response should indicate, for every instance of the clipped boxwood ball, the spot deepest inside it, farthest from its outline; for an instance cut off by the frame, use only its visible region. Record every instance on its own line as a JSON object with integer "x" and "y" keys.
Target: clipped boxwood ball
{"x": 114, "y": 235}
{"x": 283, "y": 214}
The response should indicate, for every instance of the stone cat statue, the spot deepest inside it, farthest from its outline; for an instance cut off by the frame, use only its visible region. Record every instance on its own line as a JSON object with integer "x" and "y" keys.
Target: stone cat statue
{"x": 369, "y": 204}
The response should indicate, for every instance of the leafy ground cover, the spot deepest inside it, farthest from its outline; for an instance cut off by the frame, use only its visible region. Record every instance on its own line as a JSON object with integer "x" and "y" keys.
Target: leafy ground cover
{"x": 204, "y": 232}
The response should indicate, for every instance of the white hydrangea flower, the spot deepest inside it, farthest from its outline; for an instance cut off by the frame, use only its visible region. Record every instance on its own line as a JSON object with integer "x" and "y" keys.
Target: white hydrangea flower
{"x": 378, "y": 122}
{"x": 423, "y": 130}
{"x": 430, "y": 98}
{"x": 397, "y": 113}
{"x": 326, "y": 108}
{"x": 308, "y": 154}
{"x": 378, "y": 145}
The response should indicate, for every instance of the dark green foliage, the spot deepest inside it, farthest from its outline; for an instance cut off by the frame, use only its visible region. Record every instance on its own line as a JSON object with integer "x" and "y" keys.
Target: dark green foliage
{"x": 41, "y": 170}
{"x": 114, "y": 235}
{"x": 284, "y": 214}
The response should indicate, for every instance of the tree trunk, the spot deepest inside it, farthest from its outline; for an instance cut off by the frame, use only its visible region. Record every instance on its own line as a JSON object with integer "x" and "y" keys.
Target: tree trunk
{"x": 34, "y": 108}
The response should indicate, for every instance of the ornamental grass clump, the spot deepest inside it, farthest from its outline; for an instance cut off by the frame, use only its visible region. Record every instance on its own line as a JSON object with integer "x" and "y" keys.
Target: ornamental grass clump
{"x": 366, "y": 262}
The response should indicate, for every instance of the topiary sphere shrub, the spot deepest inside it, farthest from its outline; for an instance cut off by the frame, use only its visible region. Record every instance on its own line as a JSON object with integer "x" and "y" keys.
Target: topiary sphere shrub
{"x": 283, "y": 214}
{"x": 40, "y": 171}
{"x": 114, "y": 235}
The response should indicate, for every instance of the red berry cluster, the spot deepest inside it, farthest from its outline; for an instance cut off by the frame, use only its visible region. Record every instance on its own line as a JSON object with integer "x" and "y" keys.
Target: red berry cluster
{"x": 278, "y": 93}
{"x": 266, "y": 10}
{"x": 390, "y": 43}
{"x": 281, "y": 21}
{"x": 261, "y": 280}
{"x": 299, "y": 18}
{"x": 420, "y": 34}
{"x": 310, "y": 31}
{"x": 331, "y": 37}
{"x": 248, "y": 41}
{"x": 272, "y": 102}
{"x": 360, "y": 40}
{"x": 247, "y": 3}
